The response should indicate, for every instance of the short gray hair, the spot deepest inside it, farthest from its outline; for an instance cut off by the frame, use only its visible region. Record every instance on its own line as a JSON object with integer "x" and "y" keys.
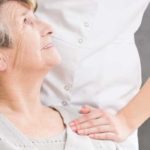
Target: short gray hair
{"x": 5, "y": 38}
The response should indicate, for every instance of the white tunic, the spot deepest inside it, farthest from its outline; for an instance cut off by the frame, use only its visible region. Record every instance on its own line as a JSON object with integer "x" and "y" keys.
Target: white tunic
{"x": 100, "y": 62}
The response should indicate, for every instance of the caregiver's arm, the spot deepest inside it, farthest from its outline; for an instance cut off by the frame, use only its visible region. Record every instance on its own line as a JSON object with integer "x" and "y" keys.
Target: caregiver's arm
{"x": 99, "y": 124}
{"x": 138, "y": 110}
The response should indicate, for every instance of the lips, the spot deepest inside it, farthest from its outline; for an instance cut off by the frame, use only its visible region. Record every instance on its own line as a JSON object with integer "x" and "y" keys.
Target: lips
{"x": 48, "y": 46}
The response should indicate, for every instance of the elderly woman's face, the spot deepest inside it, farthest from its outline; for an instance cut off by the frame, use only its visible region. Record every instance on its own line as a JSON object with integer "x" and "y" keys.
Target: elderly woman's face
{"x": 32, "y": 45}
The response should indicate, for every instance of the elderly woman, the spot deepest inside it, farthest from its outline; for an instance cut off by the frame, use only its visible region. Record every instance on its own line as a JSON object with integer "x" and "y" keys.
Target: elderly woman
{"x": 26, "y": 55}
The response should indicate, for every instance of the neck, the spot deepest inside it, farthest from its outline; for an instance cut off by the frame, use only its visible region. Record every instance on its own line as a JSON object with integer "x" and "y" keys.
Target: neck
{"x": 20, "y": 94}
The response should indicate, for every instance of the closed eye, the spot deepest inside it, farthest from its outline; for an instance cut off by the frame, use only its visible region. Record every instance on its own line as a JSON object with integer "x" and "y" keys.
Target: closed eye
{"x": 25, "y": 21}
{"x": 28, "y": 21}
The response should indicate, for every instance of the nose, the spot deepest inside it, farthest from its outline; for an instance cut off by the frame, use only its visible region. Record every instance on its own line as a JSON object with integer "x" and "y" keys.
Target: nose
{"x": 45, "y": 29}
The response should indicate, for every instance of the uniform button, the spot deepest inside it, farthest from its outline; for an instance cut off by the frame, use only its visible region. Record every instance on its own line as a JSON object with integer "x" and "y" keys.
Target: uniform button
{"x": 68, "y": 87}
{"x": 64, "y": 103}
{"x": 80, "y": 41}
{"x": 86, "y": 24}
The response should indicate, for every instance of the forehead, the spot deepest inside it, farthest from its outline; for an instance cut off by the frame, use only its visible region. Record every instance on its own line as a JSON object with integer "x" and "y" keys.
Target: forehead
{"x": 12, "y": 9}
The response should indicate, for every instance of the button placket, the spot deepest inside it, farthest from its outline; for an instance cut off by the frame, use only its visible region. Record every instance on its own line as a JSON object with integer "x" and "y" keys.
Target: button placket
{"x": 80, "y": 41}
{"x": 68, "y": 87}
{"x": 64, "y": 103}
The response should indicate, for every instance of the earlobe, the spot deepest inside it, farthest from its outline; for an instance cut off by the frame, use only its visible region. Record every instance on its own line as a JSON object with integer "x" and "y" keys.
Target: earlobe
{"x": 3, "y": 63}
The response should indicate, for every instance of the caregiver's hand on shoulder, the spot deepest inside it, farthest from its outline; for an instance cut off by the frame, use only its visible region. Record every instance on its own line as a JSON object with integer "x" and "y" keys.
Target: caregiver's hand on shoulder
{"x": 101, "y": 125}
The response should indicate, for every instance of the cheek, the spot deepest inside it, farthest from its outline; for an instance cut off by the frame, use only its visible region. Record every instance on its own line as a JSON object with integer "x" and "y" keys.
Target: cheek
{"x": 27, "y": 49}
{"x": 32, "y": 43}
{"x": 29, "y": 41}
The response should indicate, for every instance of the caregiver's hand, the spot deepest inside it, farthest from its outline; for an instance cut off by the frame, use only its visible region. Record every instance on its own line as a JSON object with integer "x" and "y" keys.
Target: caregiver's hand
{"x": 100, "y": 125}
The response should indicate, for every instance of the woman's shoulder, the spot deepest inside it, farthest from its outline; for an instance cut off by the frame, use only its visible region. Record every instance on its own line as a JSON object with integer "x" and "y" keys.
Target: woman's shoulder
{"x": 70, "y": 113}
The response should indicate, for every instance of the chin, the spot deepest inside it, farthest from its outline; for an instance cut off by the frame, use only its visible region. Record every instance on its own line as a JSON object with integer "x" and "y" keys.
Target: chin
{"x": 52, "y": 63}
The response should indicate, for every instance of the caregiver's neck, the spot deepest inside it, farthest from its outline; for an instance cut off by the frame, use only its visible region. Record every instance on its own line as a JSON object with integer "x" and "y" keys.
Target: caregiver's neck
{"x": 20, "y": 93}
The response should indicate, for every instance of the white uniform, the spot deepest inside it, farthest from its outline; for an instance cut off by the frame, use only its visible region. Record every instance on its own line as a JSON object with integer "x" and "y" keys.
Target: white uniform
{"x": 100, "y": 62}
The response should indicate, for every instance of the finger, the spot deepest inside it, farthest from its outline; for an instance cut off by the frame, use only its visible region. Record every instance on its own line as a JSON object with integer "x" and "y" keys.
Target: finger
{"x": 96, "y": 130}
{"x": 85, "y": 110}
{"x": 92, "y": 123}
{"x": 104, "y": 136}
{"x": 86, "y": 117}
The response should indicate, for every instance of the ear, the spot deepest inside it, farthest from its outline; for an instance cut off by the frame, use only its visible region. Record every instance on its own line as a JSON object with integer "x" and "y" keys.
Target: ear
{"x": 3, "y": 62}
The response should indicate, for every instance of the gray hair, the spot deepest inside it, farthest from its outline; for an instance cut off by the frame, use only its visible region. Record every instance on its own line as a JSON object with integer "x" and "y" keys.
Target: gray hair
{"x": 5, "y": 38}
